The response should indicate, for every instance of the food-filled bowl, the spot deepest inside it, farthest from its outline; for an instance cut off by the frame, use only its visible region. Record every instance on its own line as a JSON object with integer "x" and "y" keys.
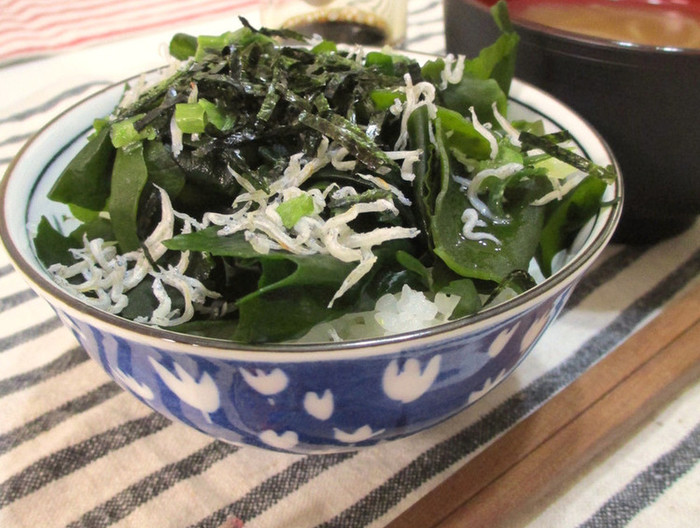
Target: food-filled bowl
{"x": 293, "y": 396}
{"x": 632, "y": 73}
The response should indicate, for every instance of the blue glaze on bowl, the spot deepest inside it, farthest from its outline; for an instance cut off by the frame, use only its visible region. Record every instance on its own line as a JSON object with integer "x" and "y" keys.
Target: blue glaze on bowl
{"x": 327, "y": 404}
{"x": 292, "y": 397}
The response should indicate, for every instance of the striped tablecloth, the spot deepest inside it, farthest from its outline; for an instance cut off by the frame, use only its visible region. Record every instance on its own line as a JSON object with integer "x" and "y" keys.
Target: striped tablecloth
{"x": 77, "y": 451}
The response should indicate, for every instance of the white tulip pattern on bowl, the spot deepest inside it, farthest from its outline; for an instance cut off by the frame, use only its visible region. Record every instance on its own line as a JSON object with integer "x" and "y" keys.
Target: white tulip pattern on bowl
{"x": 298, "y": 407}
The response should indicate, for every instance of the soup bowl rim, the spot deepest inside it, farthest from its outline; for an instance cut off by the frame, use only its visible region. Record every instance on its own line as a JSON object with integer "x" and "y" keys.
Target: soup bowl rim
{"x": 591, "y": 41}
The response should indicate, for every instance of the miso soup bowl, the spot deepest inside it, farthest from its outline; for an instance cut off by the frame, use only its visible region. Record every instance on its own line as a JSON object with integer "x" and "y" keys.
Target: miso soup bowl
{"x": 291, "y": 397}
{"x": 644, "y": 100}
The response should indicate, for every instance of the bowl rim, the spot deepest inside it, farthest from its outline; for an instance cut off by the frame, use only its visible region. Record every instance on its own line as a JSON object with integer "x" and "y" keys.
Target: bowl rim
{"x": 600, "y": 43}
{"x": 278, "y": 352}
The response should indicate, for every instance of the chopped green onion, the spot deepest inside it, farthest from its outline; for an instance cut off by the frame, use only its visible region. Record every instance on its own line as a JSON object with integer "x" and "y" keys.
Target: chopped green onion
{"x": 99, "y": 123}
{"x": 124, "y": 134}
{"x": 182, "y": 46}
{"x": 214, "y": 43}
{"x": 325, "y": 46}
{"x": 190, "y": 118}
{"x": 215, "y": 116}
{"x": 383, "y": 62}
{"x": 384, "y": 99}
{"x": 294, "y": 209}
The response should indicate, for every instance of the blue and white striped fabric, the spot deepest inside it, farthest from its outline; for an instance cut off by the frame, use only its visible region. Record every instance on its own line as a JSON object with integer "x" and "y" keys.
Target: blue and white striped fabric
{"x": 77, "y": 451}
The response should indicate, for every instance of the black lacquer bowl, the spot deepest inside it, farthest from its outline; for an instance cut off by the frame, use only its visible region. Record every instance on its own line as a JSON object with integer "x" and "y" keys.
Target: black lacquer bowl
{"x": 643, "y": 100}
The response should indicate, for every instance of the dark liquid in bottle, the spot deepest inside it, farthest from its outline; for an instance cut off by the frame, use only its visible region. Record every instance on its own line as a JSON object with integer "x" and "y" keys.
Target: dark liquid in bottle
{"x": 344, "y": 31}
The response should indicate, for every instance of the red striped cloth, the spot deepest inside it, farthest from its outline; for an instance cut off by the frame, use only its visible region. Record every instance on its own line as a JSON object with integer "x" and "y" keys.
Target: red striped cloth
{"x": 37, "y": 27}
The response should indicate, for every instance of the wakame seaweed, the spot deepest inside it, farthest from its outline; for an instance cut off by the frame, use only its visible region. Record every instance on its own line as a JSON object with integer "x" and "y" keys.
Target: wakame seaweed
{"x": 262, "y": 188}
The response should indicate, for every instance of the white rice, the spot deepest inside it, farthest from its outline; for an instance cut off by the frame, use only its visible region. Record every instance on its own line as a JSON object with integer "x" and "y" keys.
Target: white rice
{"x": 405, "y": 311}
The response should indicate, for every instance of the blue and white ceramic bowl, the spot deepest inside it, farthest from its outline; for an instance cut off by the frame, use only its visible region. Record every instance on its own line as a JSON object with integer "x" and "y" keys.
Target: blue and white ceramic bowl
{"x": 300, "y": 398}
